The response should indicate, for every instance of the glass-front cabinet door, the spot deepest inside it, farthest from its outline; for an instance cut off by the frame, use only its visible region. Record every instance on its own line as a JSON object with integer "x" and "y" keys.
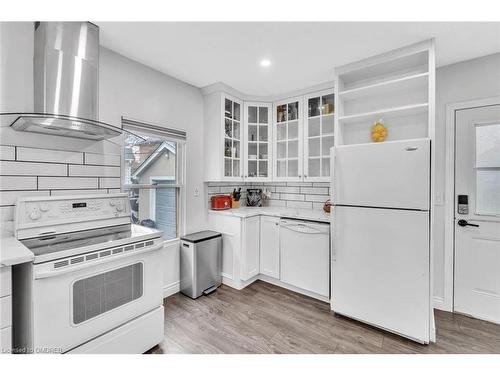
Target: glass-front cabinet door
{"x": 318, "y": 135}
{"x": 257, "y": 141}
{"x": 233, "y": 135}
{"x": 288, "y": 140}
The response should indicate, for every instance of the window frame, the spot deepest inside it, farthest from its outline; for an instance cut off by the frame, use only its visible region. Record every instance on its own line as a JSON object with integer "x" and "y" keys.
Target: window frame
{"x": 158, "y": 131}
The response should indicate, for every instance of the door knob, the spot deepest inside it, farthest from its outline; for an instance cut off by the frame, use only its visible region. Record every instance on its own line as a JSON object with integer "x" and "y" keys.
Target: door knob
{"x": 464, "y": 223}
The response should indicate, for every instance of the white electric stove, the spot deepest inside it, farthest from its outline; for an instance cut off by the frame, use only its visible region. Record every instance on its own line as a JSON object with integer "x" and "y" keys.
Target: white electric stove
{"x": 95, "y": 285}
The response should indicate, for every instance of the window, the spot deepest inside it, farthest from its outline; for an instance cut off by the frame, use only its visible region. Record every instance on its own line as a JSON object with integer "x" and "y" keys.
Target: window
{"x": 154, "y": 170}
{"x": 487, "y": 169}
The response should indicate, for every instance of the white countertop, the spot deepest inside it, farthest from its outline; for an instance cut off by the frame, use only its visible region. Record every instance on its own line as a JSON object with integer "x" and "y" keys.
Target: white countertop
{"x": 13, "y": 252}
{"x": 304, "y": 214}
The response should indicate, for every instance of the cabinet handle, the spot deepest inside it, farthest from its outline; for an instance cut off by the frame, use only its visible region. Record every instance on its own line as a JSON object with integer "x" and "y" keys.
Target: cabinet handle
{"x": 305, "y": 176}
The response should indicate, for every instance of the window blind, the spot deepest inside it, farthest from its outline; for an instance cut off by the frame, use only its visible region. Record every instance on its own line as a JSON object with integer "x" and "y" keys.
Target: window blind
{"x": 139, "y": 126}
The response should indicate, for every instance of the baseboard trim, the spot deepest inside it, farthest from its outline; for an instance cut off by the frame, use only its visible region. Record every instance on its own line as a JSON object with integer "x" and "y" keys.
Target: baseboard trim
{"x": 171, "y": 289}
{"x": 439, "y": 304}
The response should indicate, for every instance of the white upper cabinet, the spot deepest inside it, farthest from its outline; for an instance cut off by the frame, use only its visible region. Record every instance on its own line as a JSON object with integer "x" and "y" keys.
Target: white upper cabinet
{"x": 233, "y": 139}
{"x": 257, "y": 145}
{"x": 223, "y": 137}
{"x": 287, "y": 140}
{"x": 318, "y": 135}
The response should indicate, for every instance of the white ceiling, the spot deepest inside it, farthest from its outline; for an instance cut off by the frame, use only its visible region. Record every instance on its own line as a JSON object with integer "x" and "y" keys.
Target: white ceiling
{"x": 302, "y": 54}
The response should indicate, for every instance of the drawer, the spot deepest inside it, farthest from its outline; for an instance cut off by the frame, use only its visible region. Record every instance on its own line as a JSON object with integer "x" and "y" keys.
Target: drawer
{"x": 5, "y": 311}
{"x": 6, "y": 340}
{"x": 5, "y": 281}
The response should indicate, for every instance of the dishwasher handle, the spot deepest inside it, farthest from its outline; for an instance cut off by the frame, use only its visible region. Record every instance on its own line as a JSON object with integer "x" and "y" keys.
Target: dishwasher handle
{"x": 302, "y": 228}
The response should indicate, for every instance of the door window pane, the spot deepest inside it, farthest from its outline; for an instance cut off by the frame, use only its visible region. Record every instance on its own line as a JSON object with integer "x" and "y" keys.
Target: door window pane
{"x": 488, "y": 145}
{"x": 293, "y": 111}
{"x": 328, "y": 104}
{"x": 228, "y": 108}
{"x": 236, "y": 111}
{"x": 281, "y": 113}
{"x": 252, "y": 133}
{"x": 252, "y": 114}
{"x": 263, "y": 115}
{"x": 488, "y": 192}
{"x": 313, "y": 107}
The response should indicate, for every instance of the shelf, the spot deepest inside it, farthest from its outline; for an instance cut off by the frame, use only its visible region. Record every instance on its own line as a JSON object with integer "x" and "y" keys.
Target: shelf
{"x": 410, "y": 83}
{"x": 285, "y": 159}
{"x": 321, "y": 136}
{"x": 322, "y": 115}
{"x": 408, "y": 110}
{"x": 287, "y": 140}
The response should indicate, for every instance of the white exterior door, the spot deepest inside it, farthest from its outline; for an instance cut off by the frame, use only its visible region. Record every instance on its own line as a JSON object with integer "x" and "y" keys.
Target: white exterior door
{"x": 477, "y": 212}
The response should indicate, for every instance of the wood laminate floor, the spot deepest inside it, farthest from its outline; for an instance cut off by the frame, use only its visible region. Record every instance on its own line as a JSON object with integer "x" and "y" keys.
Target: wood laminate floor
{"x": 264, "y": 318}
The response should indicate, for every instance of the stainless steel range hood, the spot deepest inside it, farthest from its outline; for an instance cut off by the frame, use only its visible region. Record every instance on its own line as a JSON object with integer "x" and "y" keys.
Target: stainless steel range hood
{"x": 66, "y": 80}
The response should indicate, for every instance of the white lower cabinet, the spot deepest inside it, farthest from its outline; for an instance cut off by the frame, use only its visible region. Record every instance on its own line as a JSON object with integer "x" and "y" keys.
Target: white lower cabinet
{"x": 5, "y": 310}
{"x": 240, "y": 248}
{"x": 250, "y": 250}
{"x": 270, "y": 246}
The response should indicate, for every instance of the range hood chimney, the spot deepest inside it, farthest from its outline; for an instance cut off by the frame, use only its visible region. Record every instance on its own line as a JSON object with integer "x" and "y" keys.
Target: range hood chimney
{"x": 66, "y": 80}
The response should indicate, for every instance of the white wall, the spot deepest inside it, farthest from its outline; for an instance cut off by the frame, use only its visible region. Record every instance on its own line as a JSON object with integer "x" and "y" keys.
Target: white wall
{"x": 126, "y": 88}
{"x": 473, "y": 79}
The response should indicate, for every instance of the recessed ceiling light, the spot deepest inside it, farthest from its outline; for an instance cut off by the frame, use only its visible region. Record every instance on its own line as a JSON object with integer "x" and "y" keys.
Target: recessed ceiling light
{"x": 265, "y": 62}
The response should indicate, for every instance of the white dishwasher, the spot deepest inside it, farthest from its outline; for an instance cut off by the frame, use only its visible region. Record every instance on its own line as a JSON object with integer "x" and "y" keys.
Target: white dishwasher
{"x": 305, "y": 255}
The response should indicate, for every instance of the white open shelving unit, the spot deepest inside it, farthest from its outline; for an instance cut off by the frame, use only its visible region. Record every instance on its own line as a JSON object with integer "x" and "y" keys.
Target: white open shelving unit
{"x": 396, "y": 87}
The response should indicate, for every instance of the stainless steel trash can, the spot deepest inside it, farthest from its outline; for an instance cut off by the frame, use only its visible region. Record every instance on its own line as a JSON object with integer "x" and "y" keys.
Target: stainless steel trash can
{"x": 201, "y": 263}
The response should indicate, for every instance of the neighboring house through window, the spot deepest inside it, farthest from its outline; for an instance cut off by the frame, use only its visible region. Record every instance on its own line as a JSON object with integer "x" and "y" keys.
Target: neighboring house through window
{"x": 154, "y": 171}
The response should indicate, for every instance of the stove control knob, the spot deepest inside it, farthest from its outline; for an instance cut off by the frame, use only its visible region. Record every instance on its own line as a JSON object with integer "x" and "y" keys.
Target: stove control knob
{"x": 35, "y": 214}
{"x": 44, "y": 207}
{"x": 111, "y": 203}
{"x": 119, "y": 206}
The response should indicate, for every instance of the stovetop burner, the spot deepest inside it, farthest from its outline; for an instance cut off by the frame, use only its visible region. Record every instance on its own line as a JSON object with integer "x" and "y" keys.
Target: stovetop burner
{"x": 66, "y": 241}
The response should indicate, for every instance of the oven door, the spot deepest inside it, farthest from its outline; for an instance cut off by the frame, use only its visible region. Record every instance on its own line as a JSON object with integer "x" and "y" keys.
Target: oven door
{"x": 75, "y": 305}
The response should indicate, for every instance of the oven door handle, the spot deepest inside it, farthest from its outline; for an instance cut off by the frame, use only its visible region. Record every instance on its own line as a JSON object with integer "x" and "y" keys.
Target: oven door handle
{"x": 47, "y": 274}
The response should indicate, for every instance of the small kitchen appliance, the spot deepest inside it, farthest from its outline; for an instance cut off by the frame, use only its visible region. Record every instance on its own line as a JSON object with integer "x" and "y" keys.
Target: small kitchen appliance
{"x": 95, "y": 284}
{"x": 254, "y": 197}
{"x": 221, "y": 202}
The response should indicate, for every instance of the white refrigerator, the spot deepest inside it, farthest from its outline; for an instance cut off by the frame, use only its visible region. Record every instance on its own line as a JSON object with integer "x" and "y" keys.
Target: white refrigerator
{"x": 381, "y": 236}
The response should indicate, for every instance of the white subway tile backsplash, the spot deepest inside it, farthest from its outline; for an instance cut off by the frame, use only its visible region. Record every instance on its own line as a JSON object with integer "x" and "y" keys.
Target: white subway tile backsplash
{"x": 61, "y": 183}
{"x": 19, "y": 168}
{"x": 94, "y": 171}
{"x": 317, "y": 198}
{"x": 291, "y": 197}
{"x": 301, "y": 205}
{"x": 6, "y": 213}
{"x": 7, "y": 152}
{"x": 314, "y": 190}
{"x": 101, "y": 159}
{"x": 321, "y": 184}
{"x": 307, "y": 195}
{"x": 18, "y": 183}
{"x": 299, "y": 184}
{"x": 318, "y": 205}
{"x": 8, "y": 198}
{"x": 49, "y": 156}
{"x": 213, "y": 189}
{"x": 78, "y": 192}
{"x": 276, "y": 203}
{"x": 287, "y": 189}
{"x": 110, "y": 182}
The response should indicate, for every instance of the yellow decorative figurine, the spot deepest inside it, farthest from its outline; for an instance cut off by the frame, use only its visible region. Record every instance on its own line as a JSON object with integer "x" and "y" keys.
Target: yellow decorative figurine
{"x": 379, "y": 132}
